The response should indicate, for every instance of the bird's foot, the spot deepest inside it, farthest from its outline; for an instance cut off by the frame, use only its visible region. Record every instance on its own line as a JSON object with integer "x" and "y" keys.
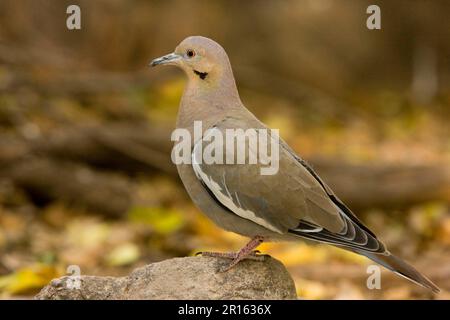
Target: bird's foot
{"x": 234, "y": 257}
{"x": 254, "y": 255}
{"x": 246, "y": 252}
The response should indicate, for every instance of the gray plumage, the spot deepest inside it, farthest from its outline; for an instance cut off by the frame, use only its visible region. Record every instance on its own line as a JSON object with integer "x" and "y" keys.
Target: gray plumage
{"x": 290, "y": 205}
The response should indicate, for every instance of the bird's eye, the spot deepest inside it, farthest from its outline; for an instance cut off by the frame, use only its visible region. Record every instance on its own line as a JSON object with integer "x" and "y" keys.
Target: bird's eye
{"x": 190, "y": 53}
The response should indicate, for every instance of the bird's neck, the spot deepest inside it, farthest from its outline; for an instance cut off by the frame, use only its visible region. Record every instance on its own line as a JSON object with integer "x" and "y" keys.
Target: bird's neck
{"x": 214, "y": 85}
{"x": 209, "y": 98}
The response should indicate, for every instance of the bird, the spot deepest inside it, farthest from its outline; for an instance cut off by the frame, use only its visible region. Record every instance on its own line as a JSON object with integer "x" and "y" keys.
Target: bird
{"x": 293, "y": 204}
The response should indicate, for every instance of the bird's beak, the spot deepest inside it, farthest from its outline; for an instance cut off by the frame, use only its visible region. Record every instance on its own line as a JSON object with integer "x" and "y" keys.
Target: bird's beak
{"x": 167, "y": 59}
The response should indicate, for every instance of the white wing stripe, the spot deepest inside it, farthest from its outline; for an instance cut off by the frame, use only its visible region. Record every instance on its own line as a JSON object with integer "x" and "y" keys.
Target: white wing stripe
{"x": 226, "y": 199}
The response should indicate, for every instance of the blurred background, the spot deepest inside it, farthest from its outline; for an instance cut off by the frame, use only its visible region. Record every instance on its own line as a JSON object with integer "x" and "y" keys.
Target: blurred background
{"x": 85, "y": 171}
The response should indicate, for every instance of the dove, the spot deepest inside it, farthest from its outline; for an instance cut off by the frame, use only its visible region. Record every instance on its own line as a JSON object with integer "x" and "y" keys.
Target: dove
{"x": 292, "y": 204}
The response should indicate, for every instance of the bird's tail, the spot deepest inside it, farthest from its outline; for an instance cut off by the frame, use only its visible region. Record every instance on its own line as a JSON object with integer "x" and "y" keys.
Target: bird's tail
{"x": 402, "y": 268}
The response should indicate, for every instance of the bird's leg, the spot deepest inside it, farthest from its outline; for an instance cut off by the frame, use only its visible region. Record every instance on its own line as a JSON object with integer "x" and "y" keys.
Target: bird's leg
{"x": 247, "y": 252}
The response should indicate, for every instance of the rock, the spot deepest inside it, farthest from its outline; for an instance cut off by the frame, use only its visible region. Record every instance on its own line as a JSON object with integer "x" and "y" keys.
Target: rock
{"x": 182, "y": 278}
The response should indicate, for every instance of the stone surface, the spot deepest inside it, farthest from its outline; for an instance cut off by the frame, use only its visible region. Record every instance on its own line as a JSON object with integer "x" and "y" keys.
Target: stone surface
{"x": 183, "y": 278}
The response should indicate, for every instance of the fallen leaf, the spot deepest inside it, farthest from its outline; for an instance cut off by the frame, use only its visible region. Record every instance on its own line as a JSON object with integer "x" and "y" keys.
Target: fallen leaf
{"x": 124, "y": 254}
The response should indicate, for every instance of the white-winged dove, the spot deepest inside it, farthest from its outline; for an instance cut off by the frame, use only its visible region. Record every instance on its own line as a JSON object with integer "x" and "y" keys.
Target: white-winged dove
{"x": 293, "y": 204}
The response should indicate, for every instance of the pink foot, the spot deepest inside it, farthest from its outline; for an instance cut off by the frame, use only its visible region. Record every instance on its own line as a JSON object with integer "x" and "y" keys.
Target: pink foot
{"x": 246, "y": 252}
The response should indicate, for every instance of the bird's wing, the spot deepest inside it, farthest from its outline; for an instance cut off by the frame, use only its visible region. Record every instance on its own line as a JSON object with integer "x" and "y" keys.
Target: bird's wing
{"x": 294, "y": 200}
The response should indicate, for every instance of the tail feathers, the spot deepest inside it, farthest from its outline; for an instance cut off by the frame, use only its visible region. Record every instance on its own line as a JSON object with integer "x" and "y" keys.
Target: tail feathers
{"x": 402, "y": 268}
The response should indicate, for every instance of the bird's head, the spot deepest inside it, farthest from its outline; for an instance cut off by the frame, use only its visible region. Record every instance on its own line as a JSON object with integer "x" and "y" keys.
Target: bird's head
{"x": 202, "y": 59}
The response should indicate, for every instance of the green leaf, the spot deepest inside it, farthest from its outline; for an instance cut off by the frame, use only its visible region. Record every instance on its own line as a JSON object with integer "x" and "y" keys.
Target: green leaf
{"x": 28, "y": 279}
